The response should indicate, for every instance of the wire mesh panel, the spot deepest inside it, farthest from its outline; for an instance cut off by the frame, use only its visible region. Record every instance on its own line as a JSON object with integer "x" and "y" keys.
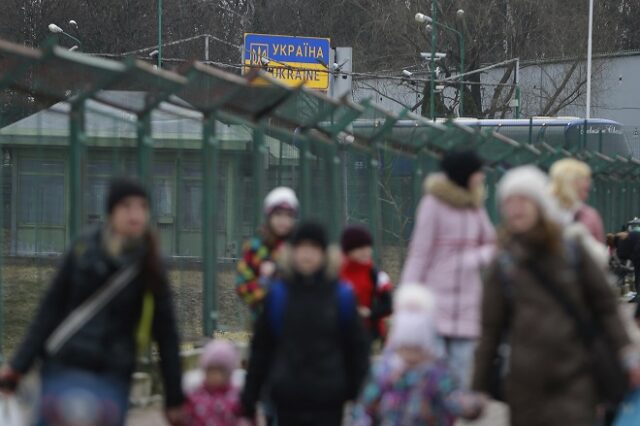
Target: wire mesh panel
{"x": 397, "y": 202}
{"x": 209, "y": 146}
{"x": 36, "y": 204}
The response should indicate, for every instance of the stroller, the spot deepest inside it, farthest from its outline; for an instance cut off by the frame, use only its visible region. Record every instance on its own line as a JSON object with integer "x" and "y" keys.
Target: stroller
{"x": 623, "y": 269}
{"x": 625, "y": 275}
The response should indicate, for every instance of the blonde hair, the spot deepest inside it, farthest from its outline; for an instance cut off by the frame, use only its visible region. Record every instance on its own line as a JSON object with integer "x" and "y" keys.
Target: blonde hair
{"x": 564, "y": 175}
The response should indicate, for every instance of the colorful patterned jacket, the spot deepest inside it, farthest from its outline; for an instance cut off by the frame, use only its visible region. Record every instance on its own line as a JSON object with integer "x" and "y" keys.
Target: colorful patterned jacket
{"x": 207, "y": 407}
{"x": 250, "y": 285}
{"x": 422, "y": 396}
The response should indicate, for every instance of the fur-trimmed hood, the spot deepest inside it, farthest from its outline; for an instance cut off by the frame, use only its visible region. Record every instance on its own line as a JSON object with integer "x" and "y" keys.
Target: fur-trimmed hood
{"x": 331, "y": 269}
{"x": 598, "y": 251}
{"x": 448, "y": 192}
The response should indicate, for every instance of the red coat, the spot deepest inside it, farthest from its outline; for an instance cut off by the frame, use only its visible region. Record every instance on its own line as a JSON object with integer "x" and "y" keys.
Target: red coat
{"x": 372, "y": 289}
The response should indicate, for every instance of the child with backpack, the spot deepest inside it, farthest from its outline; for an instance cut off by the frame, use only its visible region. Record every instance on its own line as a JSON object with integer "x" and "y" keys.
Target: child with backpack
{"x": 258, "y": 264}
{"x": 309, "y": 343}
{"x": 412, "y": 385}
{"x": 216, "y": 401}
{"x": 371, "y": 286}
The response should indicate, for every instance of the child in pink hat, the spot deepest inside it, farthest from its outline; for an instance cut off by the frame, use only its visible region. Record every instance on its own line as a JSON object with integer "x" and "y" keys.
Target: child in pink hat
{"x": 217, "y": 401}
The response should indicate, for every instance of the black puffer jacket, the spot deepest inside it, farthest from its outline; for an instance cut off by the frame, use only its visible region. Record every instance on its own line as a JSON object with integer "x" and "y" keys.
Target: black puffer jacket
{"x": 107, "y": 342}
{"x": 319, "y": 358}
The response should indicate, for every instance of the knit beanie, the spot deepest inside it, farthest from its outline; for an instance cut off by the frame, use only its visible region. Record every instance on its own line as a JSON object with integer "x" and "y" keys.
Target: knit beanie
{"x": 414, "y": 298}
{"x": 310, "y": 232}
{"x": 220, "y": 353}
{"x": 415, "y": 329}
{"x": 121, "y": 188}
{"x": 355, "y": 237}
{"x": 530, "y": 182}
{"x": 281, "y": 198}
{"x": 459, "y": 165}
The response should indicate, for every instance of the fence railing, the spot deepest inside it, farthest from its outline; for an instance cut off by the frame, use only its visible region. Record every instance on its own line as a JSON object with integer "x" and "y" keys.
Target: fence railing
{"x": 209, "y": 145}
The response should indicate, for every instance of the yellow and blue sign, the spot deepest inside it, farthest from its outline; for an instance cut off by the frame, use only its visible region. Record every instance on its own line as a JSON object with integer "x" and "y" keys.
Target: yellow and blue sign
{"x": 291, "y": 60}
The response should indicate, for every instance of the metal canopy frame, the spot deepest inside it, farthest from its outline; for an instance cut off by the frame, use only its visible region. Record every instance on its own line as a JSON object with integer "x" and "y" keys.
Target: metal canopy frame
{"x": 318, "y": 126}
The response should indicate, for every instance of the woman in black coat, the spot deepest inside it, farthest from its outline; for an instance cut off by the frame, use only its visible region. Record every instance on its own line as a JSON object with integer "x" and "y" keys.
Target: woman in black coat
{"x": 92, "y": 368}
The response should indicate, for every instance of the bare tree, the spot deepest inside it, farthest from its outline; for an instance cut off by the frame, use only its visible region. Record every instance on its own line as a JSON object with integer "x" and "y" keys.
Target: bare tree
{"x": 383, "y": 33}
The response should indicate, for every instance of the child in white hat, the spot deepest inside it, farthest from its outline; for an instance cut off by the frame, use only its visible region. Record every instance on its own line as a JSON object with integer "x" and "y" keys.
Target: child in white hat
{"x": 412, "y": 385}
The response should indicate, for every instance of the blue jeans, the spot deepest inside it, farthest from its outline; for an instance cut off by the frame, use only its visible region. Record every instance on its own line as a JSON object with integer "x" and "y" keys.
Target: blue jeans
{"x": 76, "y": 396}
{"x": 459, "y": 353}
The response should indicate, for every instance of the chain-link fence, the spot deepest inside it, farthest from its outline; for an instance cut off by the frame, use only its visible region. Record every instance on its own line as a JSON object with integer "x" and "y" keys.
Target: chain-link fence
{"x": 209, "y": 145}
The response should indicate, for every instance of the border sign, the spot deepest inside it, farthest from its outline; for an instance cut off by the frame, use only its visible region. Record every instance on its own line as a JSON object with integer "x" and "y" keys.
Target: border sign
{"x": 291, "y": 60}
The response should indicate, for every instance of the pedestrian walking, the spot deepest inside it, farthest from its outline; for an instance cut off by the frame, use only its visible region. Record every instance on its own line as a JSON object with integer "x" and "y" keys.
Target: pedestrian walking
{"x": 412, "y": 385}
{"x": 628, "y": 248}
{"x": 109, "y": 294}
{"x": 216, "y": 402}
{"x": 571, "y": 185}
{"x": 452, "y": 239}
{"x": 309, "y": 342}
{"x": 540, "y": 291}
{"x": 371, "y": 286}
{"x": 258, "y": 264}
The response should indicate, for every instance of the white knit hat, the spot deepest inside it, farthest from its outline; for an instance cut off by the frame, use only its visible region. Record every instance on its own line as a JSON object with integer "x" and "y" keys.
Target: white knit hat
{"x": 281, "y": 197}
{"x": 413, "y": 329}
{"x": 530, "y": 182}
{"x": 413, "y": 297}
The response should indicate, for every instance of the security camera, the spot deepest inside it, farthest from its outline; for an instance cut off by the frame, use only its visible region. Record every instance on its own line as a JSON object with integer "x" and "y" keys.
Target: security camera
{"x": 154, "y": 53}
{"x": 73, "y": 23}
{"x": 264, "y": 60}
{"x": 407, "y": 73}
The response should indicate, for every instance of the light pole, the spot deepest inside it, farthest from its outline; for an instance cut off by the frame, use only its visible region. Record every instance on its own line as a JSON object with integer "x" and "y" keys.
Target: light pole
{"x": 159, "y": 34}
{"x": 57, "y": 30}
{"x": 589, "y": 57}
{"x": 429, "y": 20}
{"x": 422, "y": 18}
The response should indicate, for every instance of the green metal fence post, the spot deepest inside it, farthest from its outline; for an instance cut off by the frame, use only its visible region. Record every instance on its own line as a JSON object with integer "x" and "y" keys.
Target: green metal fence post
{"x": 491, "y": 203}
{"x": 210, "y": 171}
{"x": 418, "y": 179}
{"x": 144, "y": 148}
{"x": 334, "y": 171}
{"x": 374, "y": 199}
{"x": 305, "y": 176}
{"x": 259, "y": 178}
{"x": 76, "y": 147}
{"x": 2, "y": 254}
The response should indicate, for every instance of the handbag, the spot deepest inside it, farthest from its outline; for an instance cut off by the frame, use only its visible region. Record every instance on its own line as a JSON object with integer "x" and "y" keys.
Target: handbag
{"x": 629, "y": 412}
{"x": 607, "y": 369}
{"x": 11, "y": 413}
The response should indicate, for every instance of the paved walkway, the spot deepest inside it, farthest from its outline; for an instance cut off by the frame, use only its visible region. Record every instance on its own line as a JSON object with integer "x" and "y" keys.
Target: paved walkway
{"x": 496, "y": 415}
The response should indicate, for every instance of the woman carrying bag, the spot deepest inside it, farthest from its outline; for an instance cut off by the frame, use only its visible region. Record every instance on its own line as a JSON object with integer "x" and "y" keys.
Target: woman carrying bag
{"x": 541, "y": 290}
{"x": 87, "y": 329}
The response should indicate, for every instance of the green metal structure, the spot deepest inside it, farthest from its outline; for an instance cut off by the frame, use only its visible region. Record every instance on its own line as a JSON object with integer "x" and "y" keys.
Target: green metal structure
{"x": 209, "y": 145}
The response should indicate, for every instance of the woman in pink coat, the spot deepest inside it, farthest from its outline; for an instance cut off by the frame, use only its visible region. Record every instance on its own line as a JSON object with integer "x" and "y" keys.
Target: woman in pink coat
{"x": 452, "y": 239}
